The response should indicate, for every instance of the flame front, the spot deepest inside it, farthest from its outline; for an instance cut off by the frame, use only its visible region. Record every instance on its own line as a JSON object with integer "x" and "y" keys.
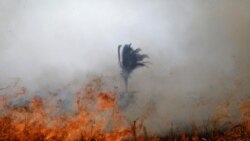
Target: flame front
{"x": 96, "y": 118}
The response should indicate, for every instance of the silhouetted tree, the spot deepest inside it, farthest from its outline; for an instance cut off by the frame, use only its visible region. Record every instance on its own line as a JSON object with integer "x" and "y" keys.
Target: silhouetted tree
{"x": 129, "y": 60}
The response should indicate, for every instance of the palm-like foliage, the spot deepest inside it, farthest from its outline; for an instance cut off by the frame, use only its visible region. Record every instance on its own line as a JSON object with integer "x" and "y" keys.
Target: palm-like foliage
{"x": 129, "y": 60}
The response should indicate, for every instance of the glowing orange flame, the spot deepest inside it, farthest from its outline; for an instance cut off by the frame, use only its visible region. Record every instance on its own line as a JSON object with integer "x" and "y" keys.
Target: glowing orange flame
{"x": 96, "y": 117}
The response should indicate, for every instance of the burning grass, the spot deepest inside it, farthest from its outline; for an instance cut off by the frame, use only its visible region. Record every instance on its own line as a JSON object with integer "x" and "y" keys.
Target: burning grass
{"x": 97, "y": 117}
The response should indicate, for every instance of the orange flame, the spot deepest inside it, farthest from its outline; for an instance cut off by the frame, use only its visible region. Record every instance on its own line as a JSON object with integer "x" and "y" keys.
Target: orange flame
{"x": 96, "y": 117}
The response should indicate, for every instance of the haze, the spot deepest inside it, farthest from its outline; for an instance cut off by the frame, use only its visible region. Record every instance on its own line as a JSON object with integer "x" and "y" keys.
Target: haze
{"x": 198, "y": 50}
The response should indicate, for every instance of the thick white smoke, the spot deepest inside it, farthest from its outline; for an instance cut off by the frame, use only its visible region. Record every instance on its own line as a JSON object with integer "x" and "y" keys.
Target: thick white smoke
{"x": 198, "y": 49}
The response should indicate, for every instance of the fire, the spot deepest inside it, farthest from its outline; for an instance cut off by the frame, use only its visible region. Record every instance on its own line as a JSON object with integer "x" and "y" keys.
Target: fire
{"x": 245, "y": 110}
{"x": 105, "y": 101}
{"x": 96, "y": 117}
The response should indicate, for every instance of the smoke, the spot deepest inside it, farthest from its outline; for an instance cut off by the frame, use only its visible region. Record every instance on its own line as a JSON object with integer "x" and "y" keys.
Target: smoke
{"x": 198, "y": 49}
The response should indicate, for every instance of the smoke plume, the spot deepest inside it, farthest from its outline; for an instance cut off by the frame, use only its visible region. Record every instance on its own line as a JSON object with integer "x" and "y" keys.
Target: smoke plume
{"x": 198, "y": 52}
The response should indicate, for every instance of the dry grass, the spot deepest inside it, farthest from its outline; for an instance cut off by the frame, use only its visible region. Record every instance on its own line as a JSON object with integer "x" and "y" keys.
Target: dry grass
{"x": 38, "y": 121}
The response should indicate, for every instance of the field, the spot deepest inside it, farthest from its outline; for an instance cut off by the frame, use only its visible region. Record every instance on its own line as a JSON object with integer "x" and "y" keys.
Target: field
{"x": 96, "y": 116}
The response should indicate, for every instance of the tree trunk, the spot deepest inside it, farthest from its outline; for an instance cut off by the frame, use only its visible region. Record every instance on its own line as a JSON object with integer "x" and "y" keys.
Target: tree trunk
{"x": 126, "y": 83}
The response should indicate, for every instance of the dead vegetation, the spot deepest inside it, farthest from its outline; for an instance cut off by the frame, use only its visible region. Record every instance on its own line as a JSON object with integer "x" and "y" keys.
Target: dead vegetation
{"x": 97, "y": 118}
